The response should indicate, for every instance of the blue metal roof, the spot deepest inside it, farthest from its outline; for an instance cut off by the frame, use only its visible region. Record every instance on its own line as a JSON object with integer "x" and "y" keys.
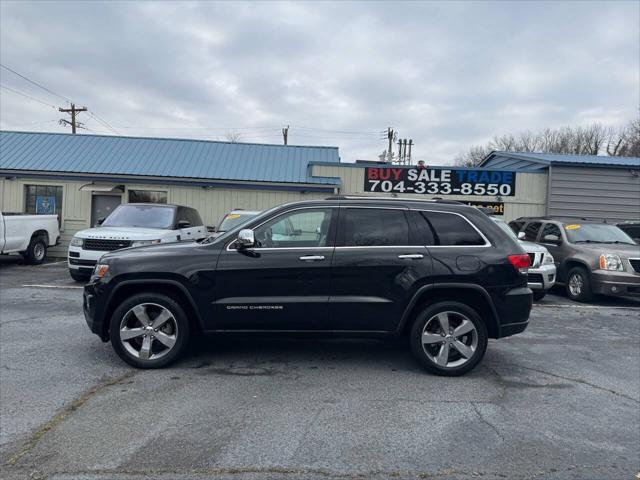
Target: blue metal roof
{"x": 526, "y": 160}
{"x": 162, "y": 157}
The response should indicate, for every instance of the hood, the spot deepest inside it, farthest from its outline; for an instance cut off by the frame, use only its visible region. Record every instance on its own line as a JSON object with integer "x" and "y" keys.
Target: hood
{"x": 531, "y": 247}
{"x": 123, "y": 233}
{"x": 158, "y": 250}
{"x": 628, "y": 251}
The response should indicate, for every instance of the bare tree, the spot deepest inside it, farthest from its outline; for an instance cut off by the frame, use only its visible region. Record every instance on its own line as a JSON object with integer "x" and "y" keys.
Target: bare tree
{"x": 593, "y": 139}
{"x": 232, "y": 136}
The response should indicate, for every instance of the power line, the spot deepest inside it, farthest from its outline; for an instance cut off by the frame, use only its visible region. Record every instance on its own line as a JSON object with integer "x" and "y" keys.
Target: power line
{"x": 36, "y": 83}
{"x": 28, "y": 96}
{"x": 104, "y": 122}
{"x": 360, "y": 132}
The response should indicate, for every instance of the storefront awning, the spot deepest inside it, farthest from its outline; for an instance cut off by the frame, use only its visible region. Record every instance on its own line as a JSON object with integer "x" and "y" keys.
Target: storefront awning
{"x": 102, "y": 187}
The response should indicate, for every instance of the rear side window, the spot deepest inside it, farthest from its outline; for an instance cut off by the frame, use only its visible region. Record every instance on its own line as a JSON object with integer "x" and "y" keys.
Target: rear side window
{"x": 452, "y": 230}
{"x": 372, "y": 227}
{"x": 516, "y": 226}
{"x": 550, "y": 229}
{"x": 531, "y": 231}
{"x": 194, "y": 217}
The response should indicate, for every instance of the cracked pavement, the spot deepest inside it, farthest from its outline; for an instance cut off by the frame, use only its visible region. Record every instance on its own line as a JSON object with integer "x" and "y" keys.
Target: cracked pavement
{"x": 561, "y": 401}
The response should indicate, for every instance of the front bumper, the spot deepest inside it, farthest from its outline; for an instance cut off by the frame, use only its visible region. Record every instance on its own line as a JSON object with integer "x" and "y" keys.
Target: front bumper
{"x": 542, "y": 277}
{"x": 93, "y": 308}
{"x": 83, "y": 261}
{"x": 606, "y": 282}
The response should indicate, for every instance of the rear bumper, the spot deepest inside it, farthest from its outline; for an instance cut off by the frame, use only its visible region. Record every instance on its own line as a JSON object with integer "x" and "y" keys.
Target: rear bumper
{"x": 615, "y": 283}
{"x": 513, "y": 308}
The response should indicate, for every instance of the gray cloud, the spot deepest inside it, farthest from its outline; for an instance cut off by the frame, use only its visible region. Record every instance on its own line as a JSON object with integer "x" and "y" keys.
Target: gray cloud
{"x": 446, "y": 74}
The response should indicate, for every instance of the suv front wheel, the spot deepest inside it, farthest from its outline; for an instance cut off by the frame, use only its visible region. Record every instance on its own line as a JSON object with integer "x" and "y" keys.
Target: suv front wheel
{"x": 149, "y": 330}
{"x": 579, "y": 285}
{"x": 449, "y": 338}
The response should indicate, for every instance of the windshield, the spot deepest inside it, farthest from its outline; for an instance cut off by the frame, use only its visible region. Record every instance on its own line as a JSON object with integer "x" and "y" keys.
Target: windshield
{"x": 505, "y": 226}
{"x": 233, "y": 220}
{"x": 596, "y": 233}
{"x": 147, "y": 216}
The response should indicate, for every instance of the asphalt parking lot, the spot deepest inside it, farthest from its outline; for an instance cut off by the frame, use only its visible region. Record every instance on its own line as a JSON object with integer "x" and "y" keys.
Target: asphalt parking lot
{"x": 561, "y": 401}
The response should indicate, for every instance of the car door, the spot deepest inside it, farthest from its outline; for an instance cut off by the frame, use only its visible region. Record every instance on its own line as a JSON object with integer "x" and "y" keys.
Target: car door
{"x": 375, "y": 267}
{"x": 554, "y": 247}
{"x": 282, "y": 283}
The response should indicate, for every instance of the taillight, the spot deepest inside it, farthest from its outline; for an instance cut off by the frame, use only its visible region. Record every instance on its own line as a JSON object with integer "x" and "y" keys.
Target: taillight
{"x": 520, "y": 261}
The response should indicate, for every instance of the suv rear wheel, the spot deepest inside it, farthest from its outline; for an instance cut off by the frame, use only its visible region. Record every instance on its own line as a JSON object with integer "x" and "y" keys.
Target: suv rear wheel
{"x": 579, "y": 285}
{"x": 149, "y": 330}
{"x": 449, "y": 338}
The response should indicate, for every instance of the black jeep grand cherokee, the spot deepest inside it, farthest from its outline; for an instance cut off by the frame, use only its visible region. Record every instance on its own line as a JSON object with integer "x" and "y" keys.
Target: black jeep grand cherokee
{"x": 443, "y": 273}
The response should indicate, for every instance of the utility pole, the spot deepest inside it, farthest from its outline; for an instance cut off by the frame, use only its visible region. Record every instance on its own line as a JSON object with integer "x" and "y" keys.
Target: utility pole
{"x": 285, "y": 134}
{"x": 73, "y": 111}
{"x": 390, "y": 134}
{"x": 409, "y": 156}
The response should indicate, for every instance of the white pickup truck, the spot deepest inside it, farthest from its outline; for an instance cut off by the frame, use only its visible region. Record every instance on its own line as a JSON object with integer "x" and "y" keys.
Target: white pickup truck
{"x": 132, "y": 225}
{"x": 28, "y": 235}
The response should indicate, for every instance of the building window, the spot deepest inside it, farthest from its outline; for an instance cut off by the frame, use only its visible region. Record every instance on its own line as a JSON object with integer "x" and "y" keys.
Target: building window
{"x": 147, "y": 196}
{"x": 43, "y": 200}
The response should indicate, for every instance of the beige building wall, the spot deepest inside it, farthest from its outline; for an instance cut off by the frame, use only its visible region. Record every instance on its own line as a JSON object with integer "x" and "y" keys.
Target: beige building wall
{"x": 212, "y": 203}
{"x": 530, "y": 198}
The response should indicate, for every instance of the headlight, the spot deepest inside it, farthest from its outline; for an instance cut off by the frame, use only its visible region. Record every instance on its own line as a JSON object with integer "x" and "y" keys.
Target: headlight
{"x": 101, "y": 270}
{"x": 77, "y": 242}
{"x": 610, "y": 261}
{"x": 140, "y": 243}
{"x": 547, "y": 259}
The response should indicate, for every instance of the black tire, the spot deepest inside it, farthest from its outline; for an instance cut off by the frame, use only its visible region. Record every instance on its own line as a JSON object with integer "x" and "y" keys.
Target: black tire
{"x": 583, "y": 293}
{"x": 456, "y": 308}
{"x": 79, "y": 277}
{"x": 182, "y": 332}
{"x": 539, "y": 294}
{"x": 36, "y": 251}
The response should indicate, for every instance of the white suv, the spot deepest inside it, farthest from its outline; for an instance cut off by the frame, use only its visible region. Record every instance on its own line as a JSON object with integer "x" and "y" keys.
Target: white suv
{"x": 132, "y": 225}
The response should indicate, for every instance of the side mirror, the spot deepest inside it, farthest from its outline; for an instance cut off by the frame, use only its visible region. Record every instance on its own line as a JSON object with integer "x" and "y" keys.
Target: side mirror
{"x": 521, "y": 235}
{"x": 183, "y": 224}
{"x": 553, "y": 239}
{"x": 100, "y": 221}
{"x": 246, "y": 239}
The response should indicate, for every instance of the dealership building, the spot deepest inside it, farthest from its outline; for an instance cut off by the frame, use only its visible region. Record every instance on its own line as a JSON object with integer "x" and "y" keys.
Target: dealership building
{"x": 83, "y": 177}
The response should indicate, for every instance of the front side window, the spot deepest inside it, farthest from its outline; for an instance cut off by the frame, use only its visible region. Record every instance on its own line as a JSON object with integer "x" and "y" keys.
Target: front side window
{"x": 147, "y": 196}
{"x": 452, "y": 230}
{"x": 147, "y": 216}
{"x": 531, "y": 231}
{"x": 300, "y": 228}
{"x": 371, "y": 227}
{"x": 43, "y": 200}
{"x": 550, "y": 229}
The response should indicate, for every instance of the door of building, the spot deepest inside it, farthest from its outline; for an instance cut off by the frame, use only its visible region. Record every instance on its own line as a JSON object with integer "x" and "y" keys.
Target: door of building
{"x": 102, "y": 206}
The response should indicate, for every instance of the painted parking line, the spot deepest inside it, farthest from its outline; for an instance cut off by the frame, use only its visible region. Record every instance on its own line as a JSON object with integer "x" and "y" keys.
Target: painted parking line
{"x": 53, "y": 263}
{"x": 585, "y": 306}
{"x": 52, "y": 286}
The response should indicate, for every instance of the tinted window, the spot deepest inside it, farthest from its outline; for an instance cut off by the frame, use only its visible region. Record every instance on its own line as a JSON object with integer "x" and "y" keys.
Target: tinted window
{"x": 300, "y": 228}
{"x": 516, "y": 226}
{"x": 550, "y": 229}
{"x": 148, "y": 216}
{"x": 450, "y": 229}
{"x": 193, "y": 217}
{"x": 531, "y": 231}
{"x": 371, "y": 227}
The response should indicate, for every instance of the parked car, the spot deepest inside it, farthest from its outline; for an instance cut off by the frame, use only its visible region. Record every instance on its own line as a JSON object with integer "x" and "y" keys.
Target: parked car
{"x": 542, "y": 272}
{"x": 442, "y": 273}
{"x": 28, "y": 235}
{"x": 631, "y": 228}
{"x": 132, "y": 225}
{"x": 591, "y": 257}
{"x": 234, "y": 219}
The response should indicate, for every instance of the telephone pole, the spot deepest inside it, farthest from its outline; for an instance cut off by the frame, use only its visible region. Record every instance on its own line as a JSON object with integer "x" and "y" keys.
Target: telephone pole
{"x": 390, "y": 136}
{"x": 285, "y": 134}
{"x": 73, "y": 111}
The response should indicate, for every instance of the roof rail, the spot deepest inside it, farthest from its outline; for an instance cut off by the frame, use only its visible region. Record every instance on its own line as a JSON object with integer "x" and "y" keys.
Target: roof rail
{"x": 406, "y": 199}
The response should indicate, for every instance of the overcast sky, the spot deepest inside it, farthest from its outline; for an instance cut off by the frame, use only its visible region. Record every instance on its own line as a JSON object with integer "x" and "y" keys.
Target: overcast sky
{"x": 448, "y": 75}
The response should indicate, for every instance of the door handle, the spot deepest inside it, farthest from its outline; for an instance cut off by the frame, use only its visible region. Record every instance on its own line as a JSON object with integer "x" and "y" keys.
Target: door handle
{"x": 411, "y": 256}
{"x": 312, "y": 258}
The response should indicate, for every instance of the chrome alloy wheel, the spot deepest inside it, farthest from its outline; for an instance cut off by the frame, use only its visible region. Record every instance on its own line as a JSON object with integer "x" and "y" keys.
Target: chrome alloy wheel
{"x": 148, "y": 331}
{"x": 38, "y": 251}
{"x": 449, "y": 339}
{"x": 575, "y": 284}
